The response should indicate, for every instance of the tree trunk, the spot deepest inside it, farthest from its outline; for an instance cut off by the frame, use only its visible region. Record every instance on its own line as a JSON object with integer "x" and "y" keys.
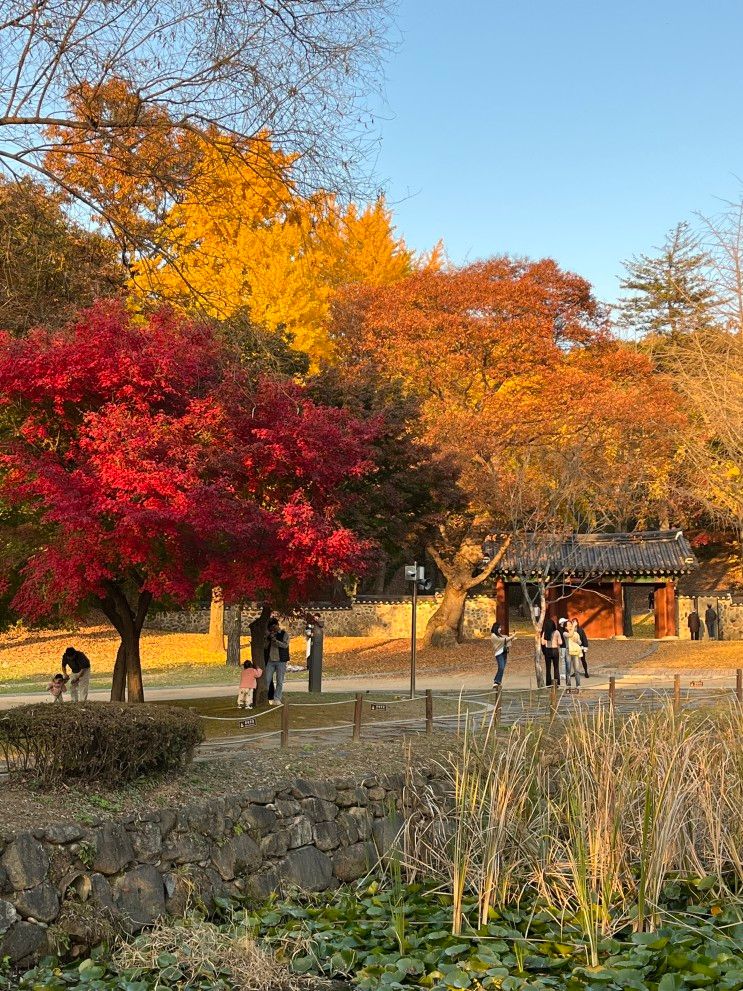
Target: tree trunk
{"x": 128, "y": 622}
{"x": 134, "y": 684}
{"x": 444, "y": 627}
{"x": 216, "y": 621}
{"x": 234, "y": 635}
{"x": 258, "y": 629}
{"x": 118, "y": 684}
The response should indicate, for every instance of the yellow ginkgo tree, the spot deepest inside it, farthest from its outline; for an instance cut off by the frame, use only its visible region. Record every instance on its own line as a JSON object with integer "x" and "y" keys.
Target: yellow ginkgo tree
{"x": 242, "y": 238}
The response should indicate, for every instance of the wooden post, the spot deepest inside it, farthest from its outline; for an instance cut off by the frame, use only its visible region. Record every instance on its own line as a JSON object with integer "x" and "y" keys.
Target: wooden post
{"x": 357, "y": 716}
{"x": 671, "y": 628}
{"x": 677, "y": 693}
{"x": 739, "y": 685}
{"x": 429, "y": 711}
{"x": 501, "y": 604}
{"x": 284, "y": 724}
{"x": 612, "y": 691}
{"x": 659, "y": 606}
{"x": 616, "y": 596}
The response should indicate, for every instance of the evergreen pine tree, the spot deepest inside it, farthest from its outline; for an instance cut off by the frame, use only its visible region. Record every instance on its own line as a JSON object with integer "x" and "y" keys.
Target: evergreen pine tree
{"x": 671, "y": 292}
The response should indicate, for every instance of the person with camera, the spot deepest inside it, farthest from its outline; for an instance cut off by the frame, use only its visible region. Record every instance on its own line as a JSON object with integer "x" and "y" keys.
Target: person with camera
{"x": 277, "y": 651}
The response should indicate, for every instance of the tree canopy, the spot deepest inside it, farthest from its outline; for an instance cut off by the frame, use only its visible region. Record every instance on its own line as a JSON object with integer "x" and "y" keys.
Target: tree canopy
{"x": 145, "y": 463}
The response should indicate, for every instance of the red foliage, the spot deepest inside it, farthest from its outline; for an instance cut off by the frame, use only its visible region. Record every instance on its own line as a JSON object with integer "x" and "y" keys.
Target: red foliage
{"x": 141, "y": 453}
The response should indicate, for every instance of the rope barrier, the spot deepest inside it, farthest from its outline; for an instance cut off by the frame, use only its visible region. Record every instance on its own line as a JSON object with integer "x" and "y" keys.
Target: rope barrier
{"x": 240, "y": 719}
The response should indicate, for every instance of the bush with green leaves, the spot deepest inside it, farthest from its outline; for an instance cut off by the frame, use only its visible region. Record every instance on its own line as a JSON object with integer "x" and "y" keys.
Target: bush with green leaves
{"x": 97, "y": 741}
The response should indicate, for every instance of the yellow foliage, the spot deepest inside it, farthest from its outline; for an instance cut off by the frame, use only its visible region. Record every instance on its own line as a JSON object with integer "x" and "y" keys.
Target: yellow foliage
{"x": 242, "y": 238}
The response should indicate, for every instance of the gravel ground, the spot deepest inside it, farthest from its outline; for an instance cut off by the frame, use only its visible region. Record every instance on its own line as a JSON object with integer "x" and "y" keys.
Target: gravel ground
{"x": 26, "y": 807}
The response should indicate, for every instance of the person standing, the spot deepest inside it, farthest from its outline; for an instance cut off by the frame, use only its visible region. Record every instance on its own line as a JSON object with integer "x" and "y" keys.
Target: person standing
{"x": 562, "y": 650}
{"x": 551, "y": 641}
{"x": 248, "y": 680}
{"x": 277, "y": 648}
{"x": 710, "y": 621}
{"x": 584, "y": 648}
{"x": 501, "y": 642}
{"x": 574, "y": 650}
{"x": 694, "y": 624}
{"x": 79, "y": 665}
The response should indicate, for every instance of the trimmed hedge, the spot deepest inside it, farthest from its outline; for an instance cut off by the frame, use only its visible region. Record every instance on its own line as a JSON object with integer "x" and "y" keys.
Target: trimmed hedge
{"x": 97, "y": 741}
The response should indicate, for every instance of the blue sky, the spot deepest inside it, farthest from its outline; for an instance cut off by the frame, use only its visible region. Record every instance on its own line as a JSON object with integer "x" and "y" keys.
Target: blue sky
{"x": 580, "y": 130}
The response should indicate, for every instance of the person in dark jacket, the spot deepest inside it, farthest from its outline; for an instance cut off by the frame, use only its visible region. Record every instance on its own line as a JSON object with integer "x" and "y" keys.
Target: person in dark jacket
{"x": 79, "y": 665}
{"x": 584, "y": 643}
{"x": 695, "y": 624}
{"x": 551, "y": 640}
{"x": 710, "y": 621}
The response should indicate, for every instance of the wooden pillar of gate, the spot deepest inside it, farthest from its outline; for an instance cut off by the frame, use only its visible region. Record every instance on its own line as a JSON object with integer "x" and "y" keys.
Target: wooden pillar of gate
{"x": 501, "y": 604}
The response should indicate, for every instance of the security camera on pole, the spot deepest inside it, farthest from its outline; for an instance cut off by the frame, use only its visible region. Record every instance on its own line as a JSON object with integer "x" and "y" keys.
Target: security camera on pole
{"x": 416, "y": 574}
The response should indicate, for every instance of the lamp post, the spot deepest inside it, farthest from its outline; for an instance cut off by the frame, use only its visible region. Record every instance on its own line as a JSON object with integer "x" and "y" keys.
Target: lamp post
{"x": 416, "y": 574}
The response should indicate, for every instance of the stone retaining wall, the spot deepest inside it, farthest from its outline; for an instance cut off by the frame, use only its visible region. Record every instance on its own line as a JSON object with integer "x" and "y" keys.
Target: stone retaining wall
{"x": 362, "y": 619}
{"x": 62, "y": 885}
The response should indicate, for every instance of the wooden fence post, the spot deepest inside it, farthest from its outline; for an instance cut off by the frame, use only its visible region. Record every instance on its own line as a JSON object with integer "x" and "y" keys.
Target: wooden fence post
{"x": 612, "y": 690}
{"x": 739, "y": 685}
{"x": 357, "y": 717}
{"x": 677, "y": 693}
{"x": 284, "y": 723}
{"x": 429, "y": 711}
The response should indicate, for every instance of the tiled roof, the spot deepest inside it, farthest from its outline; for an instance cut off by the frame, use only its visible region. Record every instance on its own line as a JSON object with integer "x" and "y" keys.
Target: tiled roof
{"x": 655, "y": 552}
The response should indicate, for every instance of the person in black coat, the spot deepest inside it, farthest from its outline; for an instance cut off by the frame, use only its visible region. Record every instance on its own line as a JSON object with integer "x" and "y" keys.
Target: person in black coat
{"x": 551, "y": 651}
{"x": 695, "y": 624}
{"x": 584, "y": 643}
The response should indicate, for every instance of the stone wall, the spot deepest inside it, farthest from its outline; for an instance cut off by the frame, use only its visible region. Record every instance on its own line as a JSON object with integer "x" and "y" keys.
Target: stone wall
{"x": 730, "y": 613}
{"x": 363, "y": 619}
{"x": 58, "y": 882}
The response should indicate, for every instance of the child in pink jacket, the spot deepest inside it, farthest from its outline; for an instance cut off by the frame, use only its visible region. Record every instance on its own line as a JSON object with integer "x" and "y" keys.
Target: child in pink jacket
{"x": 248, "y": 680}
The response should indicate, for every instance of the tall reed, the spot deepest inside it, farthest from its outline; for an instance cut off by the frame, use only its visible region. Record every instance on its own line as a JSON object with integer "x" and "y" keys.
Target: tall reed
{"x": 594, "y": 815}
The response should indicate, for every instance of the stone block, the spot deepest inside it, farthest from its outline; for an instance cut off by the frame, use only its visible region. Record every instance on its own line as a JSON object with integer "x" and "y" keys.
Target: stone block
{"x": 113, "y": 849}
{"x": 348, "y": 828}
{"x": 239, "y": 855}
{"x": 351, "y": 797}
{"x": 24, "y": 942}
{"x": 101, "y": 894}
{"x": 352, "y": 862}
{"x": 363, "y": 821}
{"x": 40, "y": 903}
{"x": 318, "y": 810}
{"x": 287, "y": 807}
{"x": 376, "y": 794}
{"x": 147, "y": 842}
{"x": 185, "y": 848}
{"x": 262, "y": 885}
{"x": 260, "y": 796}
{"x": 275, "y": 844}
{"x": 139, "y": 895}
{"x": 208, "y": 819}
{"x": 299, "y": 832}
{"x": 258, "y": 820}
{"x": 306, "y": 868}
{"x": 63, "y": 833}
{"x": 324, "y": 790}
{"x": 327, "y": 836}
{"x": 387, "y": 834}
{"x": 8, "y": 915}
{"x": 25, "y": 861}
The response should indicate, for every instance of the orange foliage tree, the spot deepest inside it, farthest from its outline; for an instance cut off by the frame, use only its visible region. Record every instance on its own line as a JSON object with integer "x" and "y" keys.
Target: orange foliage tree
{"x": 522, "y": 384}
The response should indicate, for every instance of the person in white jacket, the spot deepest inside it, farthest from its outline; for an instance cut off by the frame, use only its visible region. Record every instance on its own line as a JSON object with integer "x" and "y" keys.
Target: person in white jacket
{"x": 501, "y": 642}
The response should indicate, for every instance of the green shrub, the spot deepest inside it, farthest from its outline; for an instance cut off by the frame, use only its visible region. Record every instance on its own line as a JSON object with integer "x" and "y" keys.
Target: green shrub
{"x": 97, "y": 741}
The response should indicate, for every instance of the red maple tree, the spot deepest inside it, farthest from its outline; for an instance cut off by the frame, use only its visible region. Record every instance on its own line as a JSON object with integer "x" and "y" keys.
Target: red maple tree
{"x": 145, "y": 461}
